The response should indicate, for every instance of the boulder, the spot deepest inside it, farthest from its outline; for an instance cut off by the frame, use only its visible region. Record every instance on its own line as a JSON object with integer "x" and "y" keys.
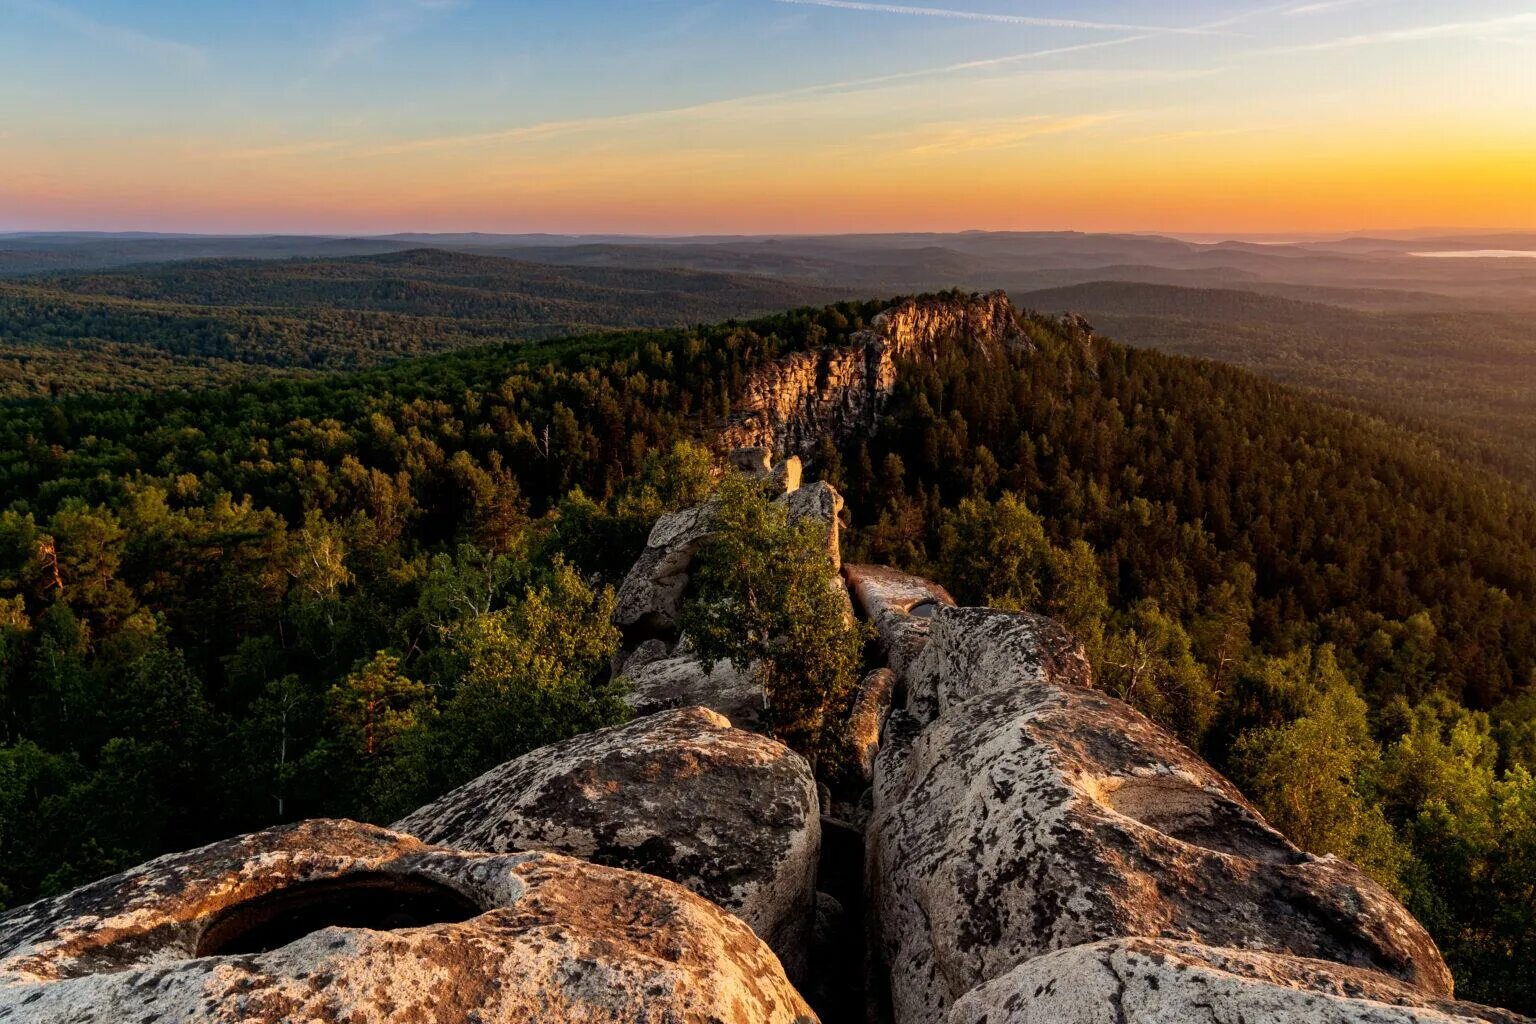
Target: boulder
{"x": 630, "y": 663}
{"x": 651, "y": 596}
{"x": 731, "y": 815}
{"x": 819, "y": 503}
{"x": 666, "y": 684}
{"x": 332, "y": 921}
{"x": 1153, "y": 981}
{"x": 754, "y": 461}
{"x": 899, "y": 605}
{"x": 787, "y": 475}
{"x": 988, "y": 650}
{"x": 871, "y": 707}
{"x": 1033, "y": 814}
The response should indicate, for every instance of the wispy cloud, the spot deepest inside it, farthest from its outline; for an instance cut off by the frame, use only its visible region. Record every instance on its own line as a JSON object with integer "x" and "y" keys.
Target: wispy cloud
{"x": 382, "y": 22}
{"x": 116, "y": 36}
{"x": 1324, "y": 6}
{"x": 601, "y": 124}
{"x": 606, "y": 123}
{"x": 1002, "y": 19}
{"x": 1488, "y": 28}
{"x": 968, "y": 136}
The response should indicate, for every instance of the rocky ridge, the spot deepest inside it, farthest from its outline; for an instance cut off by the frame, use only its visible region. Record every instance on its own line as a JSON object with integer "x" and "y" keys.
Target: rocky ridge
{"x": 1015, "y": 847}
{"x": 838, "y": 392}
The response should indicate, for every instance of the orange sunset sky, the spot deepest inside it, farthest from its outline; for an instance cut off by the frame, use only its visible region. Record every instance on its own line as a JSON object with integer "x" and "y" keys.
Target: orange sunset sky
{"x": 767, "y": 116}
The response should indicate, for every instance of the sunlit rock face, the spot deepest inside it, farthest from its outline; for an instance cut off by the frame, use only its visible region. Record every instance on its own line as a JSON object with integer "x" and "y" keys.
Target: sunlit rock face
{"x": 682, "y": 795}
{"x": 1127, "y": 981}
{"x": 1018, "y": 812}
{"x": 332, "y": 921}
{"x": 900, "y": 606}
{"x": 791, "y": 404}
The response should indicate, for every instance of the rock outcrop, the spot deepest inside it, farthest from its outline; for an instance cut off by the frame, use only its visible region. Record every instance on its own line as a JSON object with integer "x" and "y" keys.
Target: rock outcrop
{"x": 1135, "y": 980}
{"x": 1018, "y": 812}
{"x": 791, "y": 404}
{"x": 682, "y": 681}
{"x": 731, "y": 815}
{"x": 1020, "y": 848}
{"x": 900, "y": 606}
{"x": 871, "y": 707}
{"x": 332, "y": 921}
{"x": 818, "y": 503}
{"x": 650, "y": 599}
{"x": 651, "y": 596}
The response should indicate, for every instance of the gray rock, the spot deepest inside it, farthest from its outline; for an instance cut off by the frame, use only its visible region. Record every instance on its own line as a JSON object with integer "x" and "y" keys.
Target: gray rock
{"x": 754, "y": 461}
{"x": 900, "y": 606}
{"x": 731, "y": 815}
{"x": 1159, "y": 981}
{"x": 645, "y": 654}
{"x": 682, "y": 682}
{"x": 987, "y": 650}
{"x": 331, "y": 921}
{"x": 819, "y": 503}
{"x": 1033, "y": 814}
{"x": 651, "y": 596}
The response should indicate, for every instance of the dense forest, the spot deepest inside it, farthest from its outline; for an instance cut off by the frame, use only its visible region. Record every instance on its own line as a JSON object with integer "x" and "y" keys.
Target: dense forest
{"x": 214, "y": 321}
{"x": 236, "y": 606}
{"x": 1460, "y": 374}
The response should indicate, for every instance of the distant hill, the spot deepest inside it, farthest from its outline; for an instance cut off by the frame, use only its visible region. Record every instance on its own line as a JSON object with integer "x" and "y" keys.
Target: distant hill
{"x": 1464, "y": 377}
{"x": 893, "y": 262}
{"x": 183, "y": 324}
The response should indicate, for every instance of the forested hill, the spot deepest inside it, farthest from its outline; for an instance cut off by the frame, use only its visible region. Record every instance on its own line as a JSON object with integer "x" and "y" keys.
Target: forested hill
{"x": 1464, "y": 376}
{"x": 198, "y": 592}
{"x": 206, "y": 321}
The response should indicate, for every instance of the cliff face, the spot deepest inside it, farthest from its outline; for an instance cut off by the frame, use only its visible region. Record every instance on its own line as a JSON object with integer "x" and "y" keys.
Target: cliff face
{"x": 791, "y": 404}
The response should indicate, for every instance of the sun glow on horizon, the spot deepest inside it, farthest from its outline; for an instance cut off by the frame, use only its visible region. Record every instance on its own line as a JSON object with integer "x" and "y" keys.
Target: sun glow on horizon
{"x": 757, "y": 116}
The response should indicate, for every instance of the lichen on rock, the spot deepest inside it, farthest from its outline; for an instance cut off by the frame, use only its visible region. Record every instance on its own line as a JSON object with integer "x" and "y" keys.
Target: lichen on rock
{"x": 682, "y": 795}
{"x": 535, "y": 936}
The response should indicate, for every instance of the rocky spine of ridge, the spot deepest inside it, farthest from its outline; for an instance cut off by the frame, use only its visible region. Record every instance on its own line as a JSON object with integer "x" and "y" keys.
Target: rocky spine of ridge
{"x": 792, "y": 403}
{"x": 1015, "y": 847}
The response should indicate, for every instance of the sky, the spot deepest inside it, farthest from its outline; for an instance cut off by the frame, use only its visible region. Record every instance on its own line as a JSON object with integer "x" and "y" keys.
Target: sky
{"x": 767, "y": 116}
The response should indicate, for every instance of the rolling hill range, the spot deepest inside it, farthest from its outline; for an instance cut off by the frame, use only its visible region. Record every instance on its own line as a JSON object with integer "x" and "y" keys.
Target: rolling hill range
{"x": 190, "y": 323}
{"x": 1439, "y": 345}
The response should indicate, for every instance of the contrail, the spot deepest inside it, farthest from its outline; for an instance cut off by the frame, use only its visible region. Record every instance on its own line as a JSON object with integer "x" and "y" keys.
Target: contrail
{"x": 1005, "y": 19}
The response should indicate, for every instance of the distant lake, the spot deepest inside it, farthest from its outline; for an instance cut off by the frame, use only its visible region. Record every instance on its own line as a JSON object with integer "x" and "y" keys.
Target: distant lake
{"x": 1480, "y": 254}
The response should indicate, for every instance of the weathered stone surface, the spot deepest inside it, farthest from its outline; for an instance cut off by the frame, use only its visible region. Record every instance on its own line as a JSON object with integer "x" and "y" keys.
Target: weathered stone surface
{"x": 731, "y": 815}
{"x": 365, "y": 926}
{"x": 900, "y": 606}
{"x": 1033, "y": 814}
{"x": 681, "y": 682}
{"x": 755, "y": 461}
{"x": 871, "y": 706}
{"x": 984, "y": 649}
{"x": 1158, "y": 981}
{"x": 647, "y": 652}
{"x": 651, "y": 596}
{"x": 818, "y": 503}
{"x": 792, "y": 403}
{"x": 788, "y": 474}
